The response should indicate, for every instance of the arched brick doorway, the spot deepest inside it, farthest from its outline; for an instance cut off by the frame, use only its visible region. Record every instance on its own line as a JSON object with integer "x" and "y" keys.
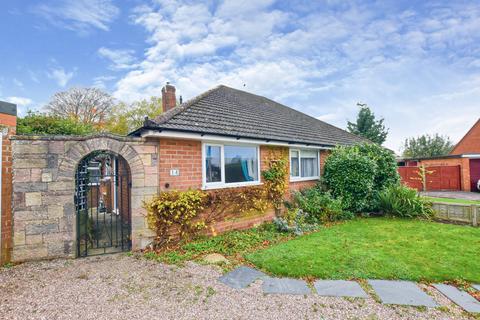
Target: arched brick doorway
{"x": 102, "y": 204}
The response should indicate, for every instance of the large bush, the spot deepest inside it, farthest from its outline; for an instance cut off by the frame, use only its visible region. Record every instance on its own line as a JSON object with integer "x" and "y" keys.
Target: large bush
{"x": 357, "y": 174}
{"x": 386, "y": 173}
{"x": 351, "y": 177}
{"x": 38, "y": 123}
{"x": 401, "y": 201}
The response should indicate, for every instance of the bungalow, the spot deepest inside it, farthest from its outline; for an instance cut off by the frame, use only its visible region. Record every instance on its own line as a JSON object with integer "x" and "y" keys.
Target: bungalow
{"x": 219, "y": 138}
{"x": 81, "y": 196}
{"x": 459, "y": 170}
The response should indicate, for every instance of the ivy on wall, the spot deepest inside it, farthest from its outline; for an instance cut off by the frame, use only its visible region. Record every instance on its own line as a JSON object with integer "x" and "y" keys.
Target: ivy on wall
{"x": 180, "y": 215}
{"x": 276, "y": 176}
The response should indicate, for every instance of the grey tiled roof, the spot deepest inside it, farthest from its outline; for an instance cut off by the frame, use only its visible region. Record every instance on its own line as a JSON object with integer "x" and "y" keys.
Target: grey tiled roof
{"x": 232, "y": 112}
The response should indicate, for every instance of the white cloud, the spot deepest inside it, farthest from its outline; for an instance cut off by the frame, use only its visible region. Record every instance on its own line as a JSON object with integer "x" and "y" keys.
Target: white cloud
{"x": 323, "y": 60}
{"x": 20, "y": 101}
{"x": 101, "y": 81}
{"x": 60, "y": 76}
{"x": 121, "y": 58}
{"x": 80, "y": 15}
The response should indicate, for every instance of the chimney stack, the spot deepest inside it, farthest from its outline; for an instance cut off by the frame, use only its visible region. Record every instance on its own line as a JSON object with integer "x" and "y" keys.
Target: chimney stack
{"x": 169, "y": 100}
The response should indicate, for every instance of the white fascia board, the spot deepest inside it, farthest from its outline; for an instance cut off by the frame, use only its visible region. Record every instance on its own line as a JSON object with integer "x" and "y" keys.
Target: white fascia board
{"x": 218, "y": 138}
{"x": 471, "y": 156}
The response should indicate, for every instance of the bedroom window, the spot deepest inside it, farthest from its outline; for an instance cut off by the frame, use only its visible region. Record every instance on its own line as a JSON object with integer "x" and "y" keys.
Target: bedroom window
{"x": 304, "y": 164}
{"x": 230, "y": 165}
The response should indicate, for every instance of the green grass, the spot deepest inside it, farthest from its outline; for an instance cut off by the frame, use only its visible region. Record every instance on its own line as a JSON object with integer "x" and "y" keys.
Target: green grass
{"x": 233, "y": 244}
{"x": 451, "y": 200}
{"x": 379, "y": 248}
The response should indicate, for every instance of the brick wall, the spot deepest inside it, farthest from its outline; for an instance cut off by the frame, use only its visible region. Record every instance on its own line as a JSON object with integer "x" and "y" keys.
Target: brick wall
{"x": 470, "y": 143}
{"x": 184, "y": 155}
{"x": 8, "y": 124}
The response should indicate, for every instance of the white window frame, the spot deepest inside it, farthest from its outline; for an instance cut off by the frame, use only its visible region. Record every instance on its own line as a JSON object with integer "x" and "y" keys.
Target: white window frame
{"x": 300, "y": 178}
{"x": 222, "y": 184}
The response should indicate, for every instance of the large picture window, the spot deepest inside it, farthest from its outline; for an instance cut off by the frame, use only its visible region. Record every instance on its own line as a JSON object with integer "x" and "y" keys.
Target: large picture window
{"x": 230, "y": 165}
{"x": 304, "y": 164}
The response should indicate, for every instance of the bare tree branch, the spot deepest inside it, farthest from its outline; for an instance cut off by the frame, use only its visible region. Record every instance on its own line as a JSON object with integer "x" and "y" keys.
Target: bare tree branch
{"x": 86, "y": 105}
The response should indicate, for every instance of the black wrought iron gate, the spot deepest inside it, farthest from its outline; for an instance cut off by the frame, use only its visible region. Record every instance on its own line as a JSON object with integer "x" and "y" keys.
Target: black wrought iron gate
{"x": 102, "y": 201}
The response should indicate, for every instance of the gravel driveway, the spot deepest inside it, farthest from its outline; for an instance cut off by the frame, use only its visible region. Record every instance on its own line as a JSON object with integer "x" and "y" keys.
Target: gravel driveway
{"x": 122, "y": 287}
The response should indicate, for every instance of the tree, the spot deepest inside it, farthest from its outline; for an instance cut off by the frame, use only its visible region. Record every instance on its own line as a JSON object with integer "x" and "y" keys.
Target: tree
{"x": 38, "y": 123}
{"x": 366, "y": 126}
{"x": 86, "y": 105}
{"x": 427, "y": 146}
{"x": 126, "y": 118}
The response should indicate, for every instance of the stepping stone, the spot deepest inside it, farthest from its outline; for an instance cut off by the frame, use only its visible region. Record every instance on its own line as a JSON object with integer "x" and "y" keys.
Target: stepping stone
{"x": 463, "y": 299}
{"x": 241, "y": 277}
{"x": 285, "y": 286}
{"x": 339, "y": 288}
{"x": 401, "y": 292}
{"x": 476, "y": 286}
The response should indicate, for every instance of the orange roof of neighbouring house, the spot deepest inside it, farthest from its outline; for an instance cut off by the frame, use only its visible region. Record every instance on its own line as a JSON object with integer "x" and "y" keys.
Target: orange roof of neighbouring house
{"x": 470, "y": 143}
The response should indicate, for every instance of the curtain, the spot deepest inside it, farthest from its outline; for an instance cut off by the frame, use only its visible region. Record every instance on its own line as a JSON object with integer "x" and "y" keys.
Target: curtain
{"x": 309, "y": 163}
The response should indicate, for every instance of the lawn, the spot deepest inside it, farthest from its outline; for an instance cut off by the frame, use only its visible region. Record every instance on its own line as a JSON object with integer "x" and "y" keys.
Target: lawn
{"x": 379, "y": 248}
{"x": 451, "y": 200}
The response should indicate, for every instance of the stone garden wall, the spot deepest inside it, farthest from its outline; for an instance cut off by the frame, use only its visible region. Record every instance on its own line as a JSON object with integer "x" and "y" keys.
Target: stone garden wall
{"x": 44, "y": 221}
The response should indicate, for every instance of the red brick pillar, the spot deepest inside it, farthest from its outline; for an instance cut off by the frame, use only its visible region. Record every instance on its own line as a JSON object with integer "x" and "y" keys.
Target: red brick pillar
{"x": 8, "y": 123}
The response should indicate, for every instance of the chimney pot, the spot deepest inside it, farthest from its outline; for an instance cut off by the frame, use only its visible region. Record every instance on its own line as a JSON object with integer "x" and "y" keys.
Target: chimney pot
{"x": 169, "y": 100}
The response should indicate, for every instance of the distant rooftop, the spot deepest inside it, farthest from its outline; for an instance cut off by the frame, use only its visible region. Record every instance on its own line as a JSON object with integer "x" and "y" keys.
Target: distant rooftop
{"x": 8, "y": 108}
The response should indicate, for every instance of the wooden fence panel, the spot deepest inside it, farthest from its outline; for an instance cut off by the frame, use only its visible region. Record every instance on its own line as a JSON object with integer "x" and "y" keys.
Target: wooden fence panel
{"x": 443, "y": 178}
{"x": 454, "y": 212}
{"x": 437, "y": 178}
{"x": 410, "y": 176}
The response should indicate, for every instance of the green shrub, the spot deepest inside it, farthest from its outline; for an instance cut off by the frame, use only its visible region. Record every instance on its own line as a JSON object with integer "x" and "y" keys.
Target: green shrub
{"x": 350, "y": 177}
{"x": 357, "y": 174}
{"x": 320, "y": 206}
{"x": 386, "y": 173}
{"x": 38, "y": 123}
{"x": 401, "y": 201}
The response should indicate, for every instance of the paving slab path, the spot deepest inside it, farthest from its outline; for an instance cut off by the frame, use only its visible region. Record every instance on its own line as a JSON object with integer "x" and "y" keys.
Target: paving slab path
{"x": 401, "y": 292}
{"x": 285, "y": 286}
{"x": 463, "y": 299}
{"x": 339, "y": 288}
{"x": 241, "y": 277}
{"x": 390, "y": 292}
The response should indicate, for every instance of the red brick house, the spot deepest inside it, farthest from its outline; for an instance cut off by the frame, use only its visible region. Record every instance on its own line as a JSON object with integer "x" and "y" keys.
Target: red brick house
{"x": 459, "y": 170}
{"x": 76, "y": 196}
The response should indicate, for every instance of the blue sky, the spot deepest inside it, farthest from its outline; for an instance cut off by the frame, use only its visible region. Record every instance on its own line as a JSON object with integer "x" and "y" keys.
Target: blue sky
{"x": 415, "y": 63}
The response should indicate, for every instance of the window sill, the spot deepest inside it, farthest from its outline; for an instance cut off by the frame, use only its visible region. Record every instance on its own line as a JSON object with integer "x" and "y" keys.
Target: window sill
{"x": 300, "y": 179}
{"x": 231, "y": 185}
